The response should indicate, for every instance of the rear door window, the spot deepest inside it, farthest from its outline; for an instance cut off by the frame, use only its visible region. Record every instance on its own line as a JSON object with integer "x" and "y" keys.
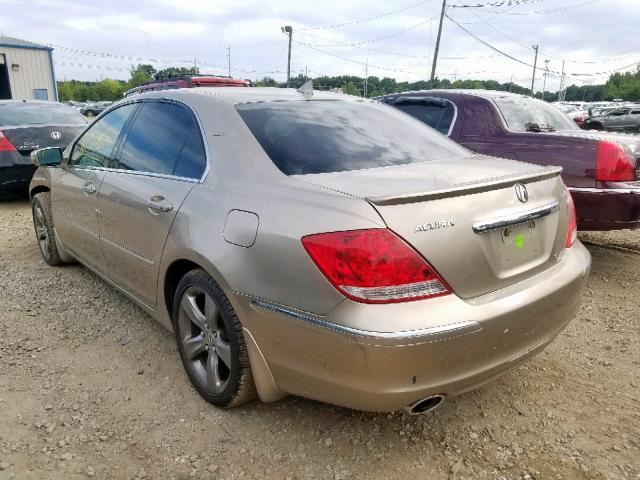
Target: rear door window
{"x": 321, "y": 136}
{"x": 438, "y": 115}
{"x": 164, "y": 139}
{"x": 96, "y": 146}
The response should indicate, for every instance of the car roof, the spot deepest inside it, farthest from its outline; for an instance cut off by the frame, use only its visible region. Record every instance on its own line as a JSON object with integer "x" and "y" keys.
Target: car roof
{"x": 490, "y": 94}
{"x": 28, "y": 102}
{"x": 235, "y": 95}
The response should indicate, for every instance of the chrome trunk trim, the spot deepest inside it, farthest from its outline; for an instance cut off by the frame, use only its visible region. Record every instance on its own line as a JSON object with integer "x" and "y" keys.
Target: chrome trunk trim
{"x": 516, "y": 219}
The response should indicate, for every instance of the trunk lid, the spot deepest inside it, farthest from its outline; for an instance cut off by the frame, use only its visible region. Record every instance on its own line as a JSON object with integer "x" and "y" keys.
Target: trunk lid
{"x": 465, "y": 217}
{"x": 26, "y": 138}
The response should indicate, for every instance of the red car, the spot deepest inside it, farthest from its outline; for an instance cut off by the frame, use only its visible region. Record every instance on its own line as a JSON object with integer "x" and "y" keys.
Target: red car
{"x": 189, "y": 82}
{"x": 601, "y": 169}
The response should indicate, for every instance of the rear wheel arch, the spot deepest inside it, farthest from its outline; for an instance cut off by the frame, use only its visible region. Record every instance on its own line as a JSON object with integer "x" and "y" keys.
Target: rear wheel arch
{"x": 38, "y": 189}
{"x": 172, "y": 277}
{"x": 178, "y": 268}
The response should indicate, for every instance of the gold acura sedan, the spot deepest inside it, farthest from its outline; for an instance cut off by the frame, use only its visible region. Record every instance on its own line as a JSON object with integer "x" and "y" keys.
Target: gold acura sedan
{"x": 315, "y": 244}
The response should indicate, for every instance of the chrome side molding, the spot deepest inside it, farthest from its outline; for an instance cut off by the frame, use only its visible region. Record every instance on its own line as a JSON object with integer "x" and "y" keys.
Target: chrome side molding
{"x": 465, "y": 327}
{"x": 516, "y": 219}
{"x": 621, "y": 191}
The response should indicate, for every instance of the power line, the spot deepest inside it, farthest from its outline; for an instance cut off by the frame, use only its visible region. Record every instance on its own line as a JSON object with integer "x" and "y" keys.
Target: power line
{"x": 365, "y": 42}
{"x": 522, "y": 62}
{"x": 584, "y": 3}
{"x": 500, "y": 3}
{"x": 367, "y": 19}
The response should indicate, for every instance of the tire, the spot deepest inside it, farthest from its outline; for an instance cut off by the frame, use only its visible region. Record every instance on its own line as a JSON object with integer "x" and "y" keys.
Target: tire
{"x": 210, "y": 342}
{"x": 43, "y": 225}
{"x": 596, "y": 126}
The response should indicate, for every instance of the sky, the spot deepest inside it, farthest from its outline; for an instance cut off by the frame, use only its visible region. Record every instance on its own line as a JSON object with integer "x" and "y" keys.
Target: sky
{"x": 102, "y": 39}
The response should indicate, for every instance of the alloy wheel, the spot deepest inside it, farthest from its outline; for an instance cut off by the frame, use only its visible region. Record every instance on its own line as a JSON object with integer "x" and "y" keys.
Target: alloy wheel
{"x": 205, "y": 341}
{"x": 42, "y": 232}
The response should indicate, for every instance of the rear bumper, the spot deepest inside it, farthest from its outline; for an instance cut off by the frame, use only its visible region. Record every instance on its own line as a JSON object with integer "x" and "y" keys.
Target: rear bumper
{"x": 607, "y": 208}
{"x": 364, "y": 356}
{"x": 15, "y": 174}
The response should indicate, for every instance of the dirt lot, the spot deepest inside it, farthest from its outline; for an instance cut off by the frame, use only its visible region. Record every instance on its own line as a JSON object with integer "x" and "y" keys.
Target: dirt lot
{"x": 90, "y": 386}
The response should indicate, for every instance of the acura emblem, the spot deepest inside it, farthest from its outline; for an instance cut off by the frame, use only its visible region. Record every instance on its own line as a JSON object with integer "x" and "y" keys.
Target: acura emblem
{"x": 56, "y": 135}
{"x": 521, "y": 193}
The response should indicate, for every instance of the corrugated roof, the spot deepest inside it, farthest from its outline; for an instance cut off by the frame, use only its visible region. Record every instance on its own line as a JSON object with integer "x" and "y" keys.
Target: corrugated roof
{"x": 19, "y": 43}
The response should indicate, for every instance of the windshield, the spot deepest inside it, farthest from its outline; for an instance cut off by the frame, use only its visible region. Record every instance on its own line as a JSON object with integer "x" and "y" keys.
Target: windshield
{"x": 19, "y": 113}
{"x": 307, "y": 137}
{"x": 522, "y": 114}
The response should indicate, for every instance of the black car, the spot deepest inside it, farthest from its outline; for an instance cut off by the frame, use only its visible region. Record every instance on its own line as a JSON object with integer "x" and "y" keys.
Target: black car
{"x": 26, "y": 126}
{"x": 625, "y": 119}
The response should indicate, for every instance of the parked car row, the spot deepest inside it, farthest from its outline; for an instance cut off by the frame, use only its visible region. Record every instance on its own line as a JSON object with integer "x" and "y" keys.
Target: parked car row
{"x": 88, "y": 109}
{"x": 611, "y": 116}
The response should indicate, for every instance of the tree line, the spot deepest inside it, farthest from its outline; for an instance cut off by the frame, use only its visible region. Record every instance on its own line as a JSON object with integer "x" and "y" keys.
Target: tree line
{"x": 625, "y": 86}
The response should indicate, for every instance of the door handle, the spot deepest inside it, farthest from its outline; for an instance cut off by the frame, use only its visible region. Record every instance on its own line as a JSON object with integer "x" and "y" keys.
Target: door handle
{"x": 89, "y": 188}
{"x": 158, "y": 204}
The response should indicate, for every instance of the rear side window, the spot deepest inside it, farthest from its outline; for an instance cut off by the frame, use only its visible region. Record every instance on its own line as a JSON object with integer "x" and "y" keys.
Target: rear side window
{"x": 321, "y": 136}
{"x": 164, "y": 139}
{"x": 95, "y": 147}
{"x": 438, "y": 115}
{"x": 36, "y": 113}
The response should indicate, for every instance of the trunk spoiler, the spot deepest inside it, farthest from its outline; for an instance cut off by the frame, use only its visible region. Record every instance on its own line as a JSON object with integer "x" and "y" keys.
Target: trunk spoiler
{"x": 469, "y": 188}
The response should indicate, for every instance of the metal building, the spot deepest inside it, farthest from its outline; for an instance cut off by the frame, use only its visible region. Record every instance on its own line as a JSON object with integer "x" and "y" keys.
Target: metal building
{"x": 26, "y": 71}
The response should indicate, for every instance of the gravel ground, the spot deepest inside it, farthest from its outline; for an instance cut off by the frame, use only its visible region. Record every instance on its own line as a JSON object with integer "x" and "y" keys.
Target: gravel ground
{"x": 90, "y": 386}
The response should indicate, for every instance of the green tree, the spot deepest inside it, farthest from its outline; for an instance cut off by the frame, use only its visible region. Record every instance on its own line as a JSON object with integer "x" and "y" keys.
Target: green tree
{"x": 266, "y": 82}
{"x": 65, "y": 91}
{"x": 175, "y": 72}
{"x": 350, "y": 88}
{"x": 142, "y": 73}
{"x": 109, "y": 89}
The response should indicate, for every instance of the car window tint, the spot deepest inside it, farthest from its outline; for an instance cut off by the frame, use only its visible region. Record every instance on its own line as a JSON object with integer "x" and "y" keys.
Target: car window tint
{"x": 307, "y": 137}
{"x": 95, "y": 147}
{"x": 156, "y": 138}
{"x": 436, "y": 116}
{"x": 519, "y": 112}
{"x": 38, "y": 113}
{"x": 193, "y": 159}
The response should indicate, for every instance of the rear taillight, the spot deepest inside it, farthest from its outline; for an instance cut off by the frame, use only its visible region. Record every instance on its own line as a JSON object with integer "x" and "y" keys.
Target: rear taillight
{"x": 374, "y": 266}
{"x": 614, "y": 163}
{"x": 5, "y": 144}
{"x": 572, "y": 230}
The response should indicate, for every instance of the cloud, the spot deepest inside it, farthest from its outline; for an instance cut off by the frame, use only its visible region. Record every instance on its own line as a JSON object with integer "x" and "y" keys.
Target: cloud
{"x": 176, "y": 33}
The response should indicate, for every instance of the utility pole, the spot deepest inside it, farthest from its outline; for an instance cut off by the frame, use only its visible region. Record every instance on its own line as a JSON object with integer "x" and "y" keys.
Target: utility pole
{"x": 195, "y": 66}
{"x": 366, "y": 78}
{"x": 511, "y": 83}
{"x": 561, "y": 91}
{"x": 229, "y": 60}
{"x": 306, "y": 77}
{"x": 289, "y": 31}
{"x": 435, "y": 53}
{"x": 546, "y": 72}
{"x": 533, "y": 78}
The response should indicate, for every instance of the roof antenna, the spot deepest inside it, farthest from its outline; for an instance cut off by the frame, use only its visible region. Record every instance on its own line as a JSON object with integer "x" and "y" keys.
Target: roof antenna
{"x": 306, "y": 90}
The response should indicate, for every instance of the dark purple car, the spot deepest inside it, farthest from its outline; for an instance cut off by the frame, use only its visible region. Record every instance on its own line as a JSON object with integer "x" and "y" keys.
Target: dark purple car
{"x": 26, "y": 126}
{"x": 600, "y": 169}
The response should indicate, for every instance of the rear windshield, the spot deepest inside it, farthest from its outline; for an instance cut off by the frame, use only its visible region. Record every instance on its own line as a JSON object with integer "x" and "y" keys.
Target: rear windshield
{"x": 307, "y": 137}
{"x": 39, "y": 114}
{"x": 522, "y": 114}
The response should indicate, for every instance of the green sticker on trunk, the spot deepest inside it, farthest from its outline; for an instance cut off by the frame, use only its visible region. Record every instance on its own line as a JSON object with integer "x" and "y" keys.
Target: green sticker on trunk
{"x": 519, "y": 241}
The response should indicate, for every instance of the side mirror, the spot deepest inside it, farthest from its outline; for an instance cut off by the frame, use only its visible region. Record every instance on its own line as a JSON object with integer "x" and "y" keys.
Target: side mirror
{"x": 47, "y": 157}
